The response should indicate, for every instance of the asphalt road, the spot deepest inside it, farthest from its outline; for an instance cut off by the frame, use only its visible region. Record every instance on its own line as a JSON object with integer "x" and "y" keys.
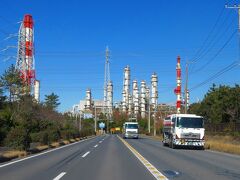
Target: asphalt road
{"x": 108, "y": 158}
{"x": 186, "y": 164}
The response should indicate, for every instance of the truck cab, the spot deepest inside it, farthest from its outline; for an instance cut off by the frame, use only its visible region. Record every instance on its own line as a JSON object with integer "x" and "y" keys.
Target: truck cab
{"x": 183, "y": 130}
{"x": 130, "y": 130}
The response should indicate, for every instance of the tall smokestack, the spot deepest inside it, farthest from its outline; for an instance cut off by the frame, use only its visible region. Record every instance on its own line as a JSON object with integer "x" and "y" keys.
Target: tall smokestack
{"x": 25, "y": 62}
{"x": 178, "y": 89}
{"x": 37, "y": 90}
{"x": 143, "y": 99}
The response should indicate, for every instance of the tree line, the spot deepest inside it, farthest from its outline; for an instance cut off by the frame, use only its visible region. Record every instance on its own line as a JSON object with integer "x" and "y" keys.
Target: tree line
{"x": 221, "y": 104}
{"x": 23, "y": 120}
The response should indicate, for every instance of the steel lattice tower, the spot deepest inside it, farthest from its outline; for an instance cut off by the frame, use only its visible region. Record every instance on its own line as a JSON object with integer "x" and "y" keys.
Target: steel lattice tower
{"x": 107, "y": 81}
{"x": 25, "y": 55}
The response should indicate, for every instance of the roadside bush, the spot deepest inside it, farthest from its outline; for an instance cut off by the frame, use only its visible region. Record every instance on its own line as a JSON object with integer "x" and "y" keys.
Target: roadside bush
{"x": 86, "y": 132}
{"x": 69, "y": 133}
{"x": 46, "y": 137}
{"x": 41, "y": 137}
{"x": 53, "y": 135}
{"x": 18, "y": 139}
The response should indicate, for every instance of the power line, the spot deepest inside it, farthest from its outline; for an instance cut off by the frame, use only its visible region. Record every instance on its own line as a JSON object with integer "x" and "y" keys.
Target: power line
{"x": 213, "y": 43}
{"x": 209, "y": 35}
{"x": 218, "y": 52}
{"x": 219, "y": 73}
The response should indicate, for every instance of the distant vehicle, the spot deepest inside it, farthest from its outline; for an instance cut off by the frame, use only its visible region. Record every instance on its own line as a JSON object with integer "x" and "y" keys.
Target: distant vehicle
{"x": 183, "y": 130}
{"x": 130, "y": 130}
{"x": 115, "y": 130}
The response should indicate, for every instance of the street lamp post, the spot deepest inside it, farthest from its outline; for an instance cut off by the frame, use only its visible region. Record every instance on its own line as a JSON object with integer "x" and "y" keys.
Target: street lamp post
{"x": 95, "y": 119}
{"x": 149, "y": 118}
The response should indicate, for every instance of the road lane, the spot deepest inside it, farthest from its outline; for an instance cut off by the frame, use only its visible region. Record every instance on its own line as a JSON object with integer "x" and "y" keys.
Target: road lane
{"x": 190, "y": 164}
{"x": 112, "y": 160}
{"x": 49, "y": 165}
{"x": 106, "y": 157}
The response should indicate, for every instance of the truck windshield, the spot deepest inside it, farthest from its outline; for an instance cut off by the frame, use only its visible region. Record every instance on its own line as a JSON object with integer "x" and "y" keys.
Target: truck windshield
{"x": 189, "y": 122}
{"x": 131, "y": 126}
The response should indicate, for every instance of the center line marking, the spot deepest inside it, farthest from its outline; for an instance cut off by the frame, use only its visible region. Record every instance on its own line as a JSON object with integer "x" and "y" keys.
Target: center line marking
{"x": 96, "y": 146}
{"x": 60, "y": 176}
{"x": 152, "y": 169}
{"x": 85, "y": 154}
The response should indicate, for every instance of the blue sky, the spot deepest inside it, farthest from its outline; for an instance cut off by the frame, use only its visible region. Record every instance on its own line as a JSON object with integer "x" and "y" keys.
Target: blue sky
{"x": 71, "y": 37}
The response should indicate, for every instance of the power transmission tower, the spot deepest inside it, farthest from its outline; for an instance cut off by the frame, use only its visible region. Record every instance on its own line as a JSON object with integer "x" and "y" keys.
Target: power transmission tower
{"x": 106, "y": 81}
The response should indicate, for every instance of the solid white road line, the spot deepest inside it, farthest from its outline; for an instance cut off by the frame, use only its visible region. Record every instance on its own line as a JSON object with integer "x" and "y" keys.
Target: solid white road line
{"x": 85, "y": 154}
{"x": 96, "y": 146}
{"x": 60, "y": 176}
{"x": 7, "y": 164}
{"x": 100, "y": 141}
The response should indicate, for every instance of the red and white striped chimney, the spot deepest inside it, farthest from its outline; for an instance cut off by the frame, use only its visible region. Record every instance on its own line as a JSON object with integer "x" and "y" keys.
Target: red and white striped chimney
{"x": 178, "y": 89}
{"x": 28, "y": 28}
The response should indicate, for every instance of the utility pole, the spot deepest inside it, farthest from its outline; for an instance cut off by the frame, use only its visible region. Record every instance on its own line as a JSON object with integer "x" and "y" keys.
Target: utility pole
{"x": 238, "y": 9}
{"x": 95, "y": 119}
{"x": 154, "y": 125}
{"x": 80, "y": 121}
{"x": 149, "y": 117}
{"x": 186, "y": 90}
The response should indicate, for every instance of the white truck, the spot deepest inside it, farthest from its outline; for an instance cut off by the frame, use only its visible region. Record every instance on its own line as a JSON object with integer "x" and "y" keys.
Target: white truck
{"x": 130, "y": 130}
{"x": 183, "y": 130}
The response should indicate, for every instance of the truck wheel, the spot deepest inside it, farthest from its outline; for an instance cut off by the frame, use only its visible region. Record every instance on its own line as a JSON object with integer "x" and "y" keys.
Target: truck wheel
{"x": 172, "y": 145}
{"x": 165, "y": 144}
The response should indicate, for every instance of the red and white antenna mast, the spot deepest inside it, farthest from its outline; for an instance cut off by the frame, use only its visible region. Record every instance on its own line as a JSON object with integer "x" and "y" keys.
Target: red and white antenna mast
{"x": 25, "y": 57}
{"x": 178, "y": 89}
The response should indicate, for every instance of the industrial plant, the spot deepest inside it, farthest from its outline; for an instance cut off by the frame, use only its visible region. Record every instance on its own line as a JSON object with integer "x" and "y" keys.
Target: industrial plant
{"x": 89, "y": 107}
{"x": 138, "y": 102}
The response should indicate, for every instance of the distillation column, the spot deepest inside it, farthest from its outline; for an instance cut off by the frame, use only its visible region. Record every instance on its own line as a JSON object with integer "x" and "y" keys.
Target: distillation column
{"x": 135, "y": 98}
{"x": 126, "y": 89}
{"x": 88, "y": 99}
{"x": 143, "y": 99}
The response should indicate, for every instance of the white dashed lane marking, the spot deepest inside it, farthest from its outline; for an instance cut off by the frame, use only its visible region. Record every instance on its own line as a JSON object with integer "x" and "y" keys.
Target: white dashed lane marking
{"x": 85, "y": 154}
{"x": 60, "y": 176}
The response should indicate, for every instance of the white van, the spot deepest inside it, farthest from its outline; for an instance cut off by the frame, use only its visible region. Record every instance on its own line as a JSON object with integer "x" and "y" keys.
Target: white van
{"x": 130, "y": 130}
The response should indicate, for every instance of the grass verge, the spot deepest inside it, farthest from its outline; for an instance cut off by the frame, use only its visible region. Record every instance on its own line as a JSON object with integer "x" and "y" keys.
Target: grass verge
{"x": 12, "y": 154}
{"x": 221, "y": 143}
{"x": 228, "y": 144}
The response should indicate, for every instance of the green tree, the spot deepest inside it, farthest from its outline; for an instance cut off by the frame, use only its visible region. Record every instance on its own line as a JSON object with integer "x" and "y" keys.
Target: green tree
{"x": 2, "y": 98}
{"x": 11, "y": 82}
{"x": 220, "y": 105}
{"x": 52, "y": 101}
